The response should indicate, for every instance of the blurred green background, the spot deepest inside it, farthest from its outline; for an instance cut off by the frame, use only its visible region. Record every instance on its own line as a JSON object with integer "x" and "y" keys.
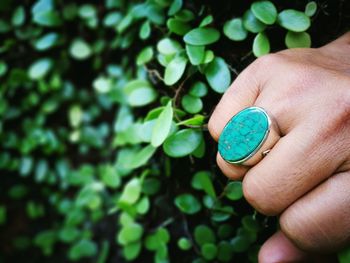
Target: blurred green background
{"x": 105, "y": 154}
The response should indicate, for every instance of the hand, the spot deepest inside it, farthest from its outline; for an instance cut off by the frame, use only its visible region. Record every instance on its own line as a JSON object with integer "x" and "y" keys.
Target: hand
{"x": 306, "y": 177}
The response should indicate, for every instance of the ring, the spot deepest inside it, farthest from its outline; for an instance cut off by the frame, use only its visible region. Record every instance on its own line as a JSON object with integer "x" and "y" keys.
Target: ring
{"x": 248, "y": 136}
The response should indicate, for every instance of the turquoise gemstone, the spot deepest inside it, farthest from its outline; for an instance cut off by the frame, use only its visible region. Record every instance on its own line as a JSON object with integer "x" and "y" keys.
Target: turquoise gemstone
{"x": 243, "y": 134}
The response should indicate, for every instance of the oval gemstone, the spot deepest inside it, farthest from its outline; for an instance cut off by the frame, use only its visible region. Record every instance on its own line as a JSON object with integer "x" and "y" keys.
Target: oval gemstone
{"x": 243, "y": 134}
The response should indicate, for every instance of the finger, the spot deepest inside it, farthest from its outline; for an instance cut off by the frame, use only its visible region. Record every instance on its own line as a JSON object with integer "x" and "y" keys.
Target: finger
{"x": 242, "y": 93}
{"x": 233, "y": 172}
{"x": 279, "y": 248}
{"x": 296, "y": 164}
{"x": 320, "y": 220}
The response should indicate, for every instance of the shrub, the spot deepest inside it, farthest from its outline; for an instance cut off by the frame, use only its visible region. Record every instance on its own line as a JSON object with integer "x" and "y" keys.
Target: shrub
{"x": 105, "y": 154}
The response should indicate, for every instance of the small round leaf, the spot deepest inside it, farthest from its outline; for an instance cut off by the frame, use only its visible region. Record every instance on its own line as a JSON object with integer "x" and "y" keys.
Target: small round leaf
{"x": 218, "y": 75}
{"x": 311, "y": 8}
{"x": 233, "y": 191}
{"x": 251, "y": 23}
{"x": 298, "y": 40}
{"x": 40, "y": 68}
{"x": 234, "y": 30}
{"x": 294, "y": 20}
{"x": 174, "y": 70}
{"x": 192, "y": 104}
{"x": 202, "y": 36}
{"x": 265, "y": 11}
{"x": 79, "y": 49}
{"x": 188, "y": 204}
{"x": 261, "y": 45}
{"x": 209, "y": 251}
{"x": 182, "y": 143}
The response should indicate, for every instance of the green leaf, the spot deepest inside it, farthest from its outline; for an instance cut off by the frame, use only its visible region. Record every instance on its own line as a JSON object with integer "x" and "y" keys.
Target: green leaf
{"x": 84, "y": 248}
{"x": 250, "y": 223}
{"x": 174, "y": 70}
{"x": 197, "y": 120}
{"x": 124, "y": 24}
{"x": 46, "y": 42}
{"x": 240, "y": 243}
{"x": 150, "y": 186}
{"x": 198, "y": 89}
{"x": 261, "y": 45}
{"x": 225, "y": 231}
{"x": 204, "y": 235}
{"x": 40, "y": 68}
{"x": 26, "y": 166}
{"x": 144, "y": 56}
{"x": 310, "y": 9}
{"x": 143, "y": 206}
{"x": 218, "y": 75}
{"x": 202, "y": 36}
{"x": 131, "y": 192}
{"x": 184, "y": 243}
{"x": 102, "y": 84}
{"x": 209, "y": 251}
{"x": 161, "y": 128}
{"x": 222, "y": 213}
{"x": 178, "y": 26}
{"x": 188, "y": 204}
{"x": 195, "y": 54}
{"x": 234, "y": 30}
{"x": 75, "y": 115}
{"x": 142, "y": 157}
{"x": 141, "y": 96}
{"x": 130, "y": 233}
{"x": 233, "y": 191}
{"x": 110, "y": 176}
{"x": 168, "y": 46}
{"x": 206, "y": 21}
{"x": 225, "y": 252}
{"x": 208, "y": 57}
{"x": 2, "y": 215}
{"x": 202, "y": 181}
{"x": 265, "y": 11}
{"x": 344, "y": 255}
{"x": 145, "y": 30}
{"x": 185, "y": 15}
{"x": 294, "y": 20}
{"x": 251, "y": 23}
{"x": 112, "y": 19}
{"x": 18, "y": 16}
{"x": 87, "y": 11}
{"x": 132, "y": 251}
{"x": 3, "y": 68}
{"x": 79, "y": 49}
{"x": 182, "y": 143}
{"x": 175, "y": 7}
{"x": 298, "y": 40}
{"x": 68, "y": 234}
{"x": 48, "y": 18}
{"x": 191, "y": 104}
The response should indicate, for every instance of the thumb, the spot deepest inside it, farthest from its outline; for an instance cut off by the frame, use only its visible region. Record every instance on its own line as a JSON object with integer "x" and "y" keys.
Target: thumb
{"x": 279, "y": 248}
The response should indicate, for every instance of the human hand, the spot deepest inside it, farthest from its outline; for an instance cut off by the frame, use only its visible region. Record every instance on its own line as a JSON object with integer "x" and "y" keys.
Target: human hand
{"x": 305, "y": 178}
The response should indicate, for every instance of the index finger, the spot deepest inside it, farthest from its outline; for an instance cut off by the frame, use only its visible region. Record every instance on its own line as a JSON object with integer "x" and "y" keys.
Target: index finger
{"x": 241, "y": 94}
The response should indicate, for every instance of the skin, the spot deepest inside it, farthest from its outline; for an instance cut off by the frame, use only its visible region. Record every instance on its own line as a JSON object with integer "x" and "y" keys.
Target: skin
{"x": 305, "y": 179}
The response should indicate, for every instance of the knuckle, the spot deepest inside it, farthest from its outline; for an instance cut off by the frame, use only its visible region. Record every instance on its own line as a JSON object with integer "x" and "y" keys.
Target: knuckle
{"x": 338, "y": 120}
{"x": 269, "y": 60}
{"x": 258, "y": 196}
{"x": 342, "y": 111}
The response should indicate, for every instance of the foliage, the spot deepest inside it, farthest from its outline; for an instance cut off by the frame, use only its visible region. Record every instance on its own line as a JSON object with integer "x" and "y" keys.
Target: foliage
{"x": 104, "y": 150}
